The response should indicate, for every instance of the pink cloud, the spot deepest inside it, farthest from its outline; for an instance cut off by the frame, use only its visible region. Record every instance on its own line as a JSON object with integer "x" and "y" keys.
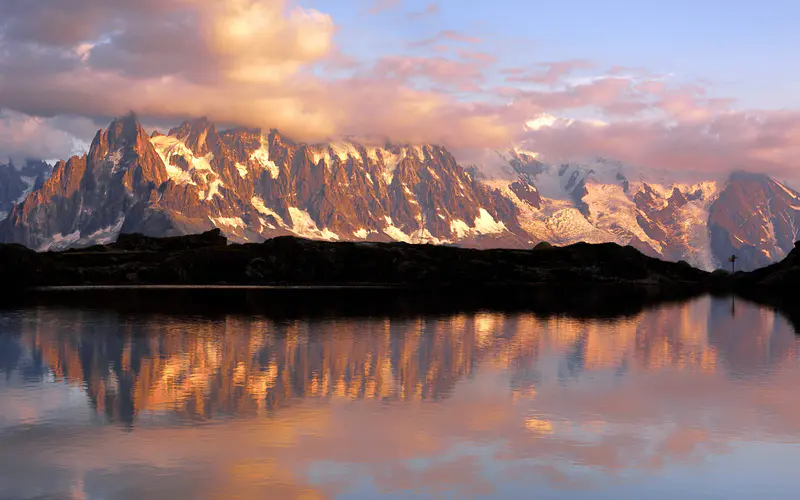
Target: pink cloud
{"x": 23, "y": 136}
{"x": 478, "y": 57}
{"x": 380, "y": 6}
{"x": 446, "y": 36}
{"x": 430, "y": 10}
{"x": 270, "y": 63}
{"x": 601, "y": 93}
{"x": 549, "y": 73}
{"x": 765, "y": 141}
{"x": 436, "y": 69}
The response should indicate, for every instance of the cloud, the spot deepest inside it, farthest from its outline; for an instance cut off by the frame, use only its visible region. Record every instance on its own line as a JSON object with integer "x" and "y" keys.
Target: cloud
{"x": 380, "y": 6}
{"x": 430, "y": 10}
{"x": 478, "y": 57}
{"x": 446, "y": 36}
{"x": 549, "y": 73}
{"x": 437, "y": 69}
{"x": 23, "y": 136}
{"x": 273, "y": 63}
{"x": 758, "y": 141}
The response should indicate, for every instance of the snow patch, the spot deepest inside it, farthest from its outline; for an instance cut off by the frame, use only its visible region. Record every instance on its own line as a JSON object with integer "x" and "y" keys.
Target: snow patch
{"x": 29, "y": 183}
{"x": 304, "y": 225}
{"x": 788, "y": 191}
{"x": 567, "y": 226}
{"x": 258, "y": 204}
{"x": 372, "y": 154}
{"x": 261, "y": 156}
{"x": 345, "y": 150}
{"x": 265, "y": 224}
{"x": 693, "y": 221}
{"x": 390, "y": 162}
{"x": 104, "y": 235}
{"x": 234, "y": 222}
{"x": 460, "y": 228}
{"x": 60, "y": 241}
{"x": 485, "y": 223}
{"x": 213, "y": 190}
{"x": 361, "y": 233}
{"x": 412, "y": 198}
{"x": 319, "y": 154}
{"x": 242, "y": 170}
{"x": 422, "y": 235}
{"x": 179, "y": 176}
{"x": 396, "y": 234}
{"x": 393, "y": 232}
{"x": 169, "y": 146}
{"x": 613, "y": 212}
{"x": 114, "y": 158}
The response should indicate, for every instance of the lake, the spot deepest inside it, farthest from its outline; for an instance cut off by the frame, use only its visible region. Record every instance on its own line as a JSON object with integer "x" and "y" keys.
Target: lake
{"x": 691, "y": 400}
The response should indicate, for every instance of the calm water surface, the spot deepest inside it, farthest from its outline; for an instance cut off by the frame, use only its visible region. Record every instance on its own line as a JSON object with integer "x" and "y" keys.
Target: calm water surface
{"x": 683, "y": 401}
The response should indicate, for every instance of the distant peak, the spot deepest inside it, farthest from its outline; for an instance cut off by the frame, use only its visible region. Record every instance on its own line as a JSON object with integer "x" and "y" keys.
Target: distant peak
{"x": 199, "y": 135}
{"x": 741, "y": 175}
{"x": 123, "y": 131}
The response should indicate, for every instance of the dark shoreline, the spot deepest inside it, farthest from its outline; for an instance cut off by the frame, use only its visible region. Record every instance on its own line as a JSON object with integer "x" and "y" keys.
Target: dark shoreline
{"x": 291, "y": 277}
{"x": 329, "y": 302}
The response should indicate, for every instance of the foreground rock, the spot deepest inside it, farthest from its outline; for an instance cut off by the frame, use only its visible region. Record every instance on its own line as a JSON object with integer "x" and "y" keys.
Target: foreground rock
{"x": 206, "y": 259}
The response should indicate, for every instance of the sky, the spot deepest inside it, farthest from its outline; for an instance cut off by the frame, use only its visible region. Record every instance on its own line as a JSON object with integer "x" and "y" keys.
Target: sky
{"x": 683, "y": 85}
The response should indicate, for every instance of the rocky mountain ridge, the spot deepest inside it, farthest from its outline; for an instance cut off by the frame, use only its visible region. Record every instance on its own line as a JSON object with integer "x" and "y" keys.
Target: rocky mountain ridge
{"x": 255, "y": 185}
{"x": 18, "y": 181}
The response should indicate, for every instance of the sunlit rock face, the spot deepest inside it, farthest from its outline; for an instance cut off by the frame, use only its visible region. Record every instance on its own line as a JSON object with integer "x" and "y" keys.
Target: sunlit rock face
{"x": 256, "y": 185}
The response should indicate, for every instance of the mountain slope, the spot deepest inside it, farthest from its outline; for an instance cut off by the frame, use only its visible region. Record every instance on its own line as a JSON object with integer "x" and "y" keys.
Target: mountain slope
{"x": 18, "y": 181}
{"x": 756, "y": 218}
{"x": 91, "y": 198}
{"x": 255, "y": 185}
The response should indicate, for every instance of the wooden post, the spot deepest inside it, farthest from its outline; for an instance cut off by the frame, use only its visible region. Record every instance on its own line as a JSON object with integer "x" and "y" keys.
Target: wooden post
{"x": 732, "y": 260}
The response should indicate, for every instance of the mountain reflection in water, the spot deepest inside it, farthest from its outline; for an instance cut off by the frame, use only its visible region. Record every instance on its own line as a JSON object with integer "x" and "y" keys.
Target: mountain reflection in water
{"x": 684, "y": 399}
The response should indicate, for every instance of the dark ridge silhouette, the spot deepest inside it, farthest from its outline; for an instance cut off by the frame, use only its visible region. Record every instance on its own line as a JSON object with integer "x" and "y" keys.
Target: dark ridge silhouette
{"x": 316, "y": 278}
{"x": 359, "y": 301}
{"x": 776, "y": 285}
{"x": 206, "y": 259}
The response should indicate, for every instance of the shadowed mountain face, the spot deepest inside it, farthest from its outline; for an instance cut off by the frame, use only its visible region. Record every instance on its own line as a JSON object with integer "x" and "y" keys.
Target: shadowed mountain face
{"x": 18, "y": 181}
{"x": 756, "y": 218}
{"x": 255, "y": 185}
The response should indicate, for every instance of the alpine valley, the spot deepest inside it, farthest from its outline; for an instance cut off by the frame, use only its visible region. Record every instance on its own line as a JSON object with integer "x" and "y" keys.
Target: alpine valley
{"x": 256, "y": 185}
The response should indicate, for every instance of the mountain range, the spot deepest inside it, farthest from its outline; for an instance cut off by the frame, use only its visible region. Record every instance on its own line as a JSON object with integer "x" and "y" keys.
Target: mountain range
{"x": 255, "y": 185}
